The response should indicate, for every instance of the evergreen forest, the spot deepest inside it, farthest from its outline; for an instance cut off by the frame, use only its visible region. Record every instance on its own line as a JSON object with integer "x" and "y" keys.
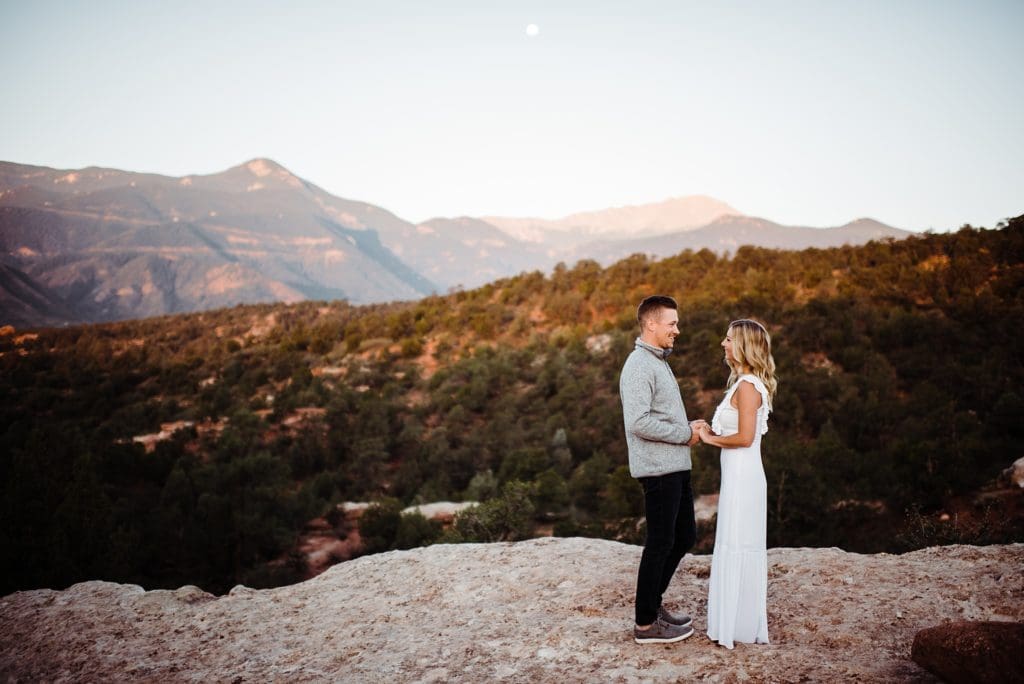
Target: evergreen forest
{"x": 901, "y": 389}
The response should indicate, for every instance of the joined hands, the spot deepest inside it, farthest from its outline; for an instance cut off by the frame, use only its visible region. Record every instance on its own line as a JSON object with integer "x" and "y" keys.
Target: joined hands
{"x": 697, "y": 429}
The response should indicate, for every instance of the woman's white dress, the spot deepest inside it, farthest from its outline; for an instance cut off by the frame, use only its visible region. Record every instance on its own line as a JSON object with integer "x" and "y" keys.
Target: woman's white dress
{"x": 738, "y": 590}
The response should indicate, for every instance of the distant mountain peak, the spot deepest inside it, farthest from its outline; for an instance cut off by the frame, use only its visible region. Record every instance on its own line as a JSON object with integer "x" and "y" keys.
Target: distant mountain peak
{"x": 262, "y": 167}
{"x": 257, "y": 173}
{"x": 97, "y": 244}
{"x": 740, "y": 220}
{"x": 684, "y": 202}
{"x": 677, "y": 213}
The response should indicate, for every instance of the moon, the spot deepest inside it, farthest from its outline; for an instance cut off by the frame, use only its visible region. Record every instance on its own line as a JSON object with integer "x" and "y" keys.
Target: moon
{"x": 532, "y": 30}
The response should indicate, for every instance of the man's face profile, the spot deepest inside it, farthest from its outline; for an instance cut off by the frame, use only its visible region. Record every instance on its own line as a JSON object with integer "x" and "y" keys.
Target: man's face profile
{"x": 664, "y": 326}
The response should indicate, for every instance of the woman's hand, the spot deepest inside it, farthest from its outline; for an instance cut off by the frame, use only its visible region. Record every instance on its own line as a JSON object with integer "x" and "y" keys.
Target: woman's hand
{"x": 706, "y": 434}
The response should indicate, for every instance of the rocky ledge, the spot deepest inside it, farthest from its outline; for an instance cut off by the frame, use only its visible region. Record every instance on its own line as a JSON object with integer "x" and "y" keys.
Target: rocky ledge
{"x": 545, "y": 610}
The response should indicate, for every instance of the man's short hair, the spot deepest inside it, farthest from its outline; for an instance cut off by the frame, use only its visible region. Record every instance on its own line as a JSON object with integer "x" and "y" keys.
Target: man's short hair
{"x": 652, "y": 304}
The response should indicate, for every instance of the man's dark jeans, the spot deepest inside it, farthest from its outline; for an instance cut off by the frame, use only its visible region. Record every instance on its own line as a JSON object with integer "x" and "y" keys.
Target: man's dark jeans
{"x": 671, "y": 532}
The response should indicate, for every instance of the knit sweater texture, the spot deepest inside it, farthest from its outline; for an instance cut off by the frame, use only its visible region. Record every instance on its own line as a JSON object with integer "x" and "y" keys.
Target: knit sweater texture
{"x": 657, "y": 429}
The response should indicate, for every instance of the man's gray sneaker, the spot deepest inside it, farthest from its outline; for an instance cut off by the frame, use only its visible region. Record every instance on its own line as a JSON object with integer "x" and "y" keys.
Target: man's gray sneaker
{"x": 661, "y": 633}
{"x": 679, "y": 620}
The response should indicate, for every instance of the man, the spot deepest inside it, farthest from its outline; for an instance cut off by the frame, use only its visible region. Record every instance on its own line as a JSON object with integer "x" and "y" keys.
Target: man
{"x": 659, "y": 438}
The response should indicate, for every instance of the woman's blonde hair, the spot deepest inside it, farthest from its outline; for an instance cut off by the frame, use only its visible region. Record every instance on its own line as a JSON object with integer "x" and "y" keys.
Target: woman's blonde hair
{"x": 752, "y": 349}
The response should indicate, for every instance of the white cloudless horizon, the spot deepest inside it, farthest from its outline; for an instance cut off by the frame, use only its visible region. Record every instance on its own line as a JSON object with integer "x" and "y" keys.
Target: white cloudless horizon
{"x": 803, "y": 113}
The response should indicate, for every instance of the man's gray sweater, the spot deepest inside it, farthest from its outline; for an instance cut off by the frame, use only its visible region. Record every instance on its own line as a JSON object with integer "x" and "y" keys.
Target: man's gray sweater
{"x": 652, "y": 408}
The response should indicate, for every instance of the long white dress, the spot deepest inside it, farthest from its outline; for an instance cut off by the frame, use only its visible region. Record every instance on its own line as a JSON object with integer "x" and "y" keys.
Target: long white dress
{"x": 738, "y": 590}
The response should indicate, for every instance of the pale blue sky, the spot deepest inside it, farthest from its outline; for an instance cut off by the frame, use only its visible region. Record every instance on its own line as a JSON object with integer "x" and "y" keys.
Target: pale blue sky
{"x": 805, "y": 113}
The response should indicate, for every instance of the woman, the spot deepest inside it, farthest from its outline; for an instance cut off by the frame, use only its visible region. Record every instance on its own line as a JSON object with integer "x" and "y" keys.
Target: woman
{"x": 738, "y": 589}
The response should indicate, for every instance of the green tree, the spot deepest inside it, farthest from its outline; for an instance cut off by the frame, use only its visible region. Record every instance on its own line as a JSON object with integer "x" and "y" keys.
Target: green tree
{"x": 415, "y": 530}
{"x": 483, "y": 486}
{"x": 588, "y": 481}
{"x": 379, "y": 525}
{"x": 623, "y": 497}
{"x": 551, "y": 493}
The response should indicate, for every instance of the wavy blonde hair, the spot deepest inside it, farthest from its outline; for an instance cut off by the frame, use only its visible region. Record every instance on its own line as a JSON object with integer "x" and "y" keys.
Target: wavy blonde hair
{"x": 752, "y": 350}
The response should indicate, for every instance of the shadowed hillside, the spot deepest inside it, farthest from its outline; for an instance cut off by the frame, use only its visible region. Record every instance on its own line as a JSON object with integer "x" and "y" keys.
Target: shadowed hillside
{"x": 192, "y": 448}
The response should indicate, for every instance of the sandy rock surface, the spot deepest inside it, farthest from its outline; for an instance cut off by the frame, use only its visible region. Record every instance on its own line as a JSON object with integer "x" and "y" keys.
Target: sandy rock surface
{"x": 440, "y": 510}
{"x": 545, "y": 610}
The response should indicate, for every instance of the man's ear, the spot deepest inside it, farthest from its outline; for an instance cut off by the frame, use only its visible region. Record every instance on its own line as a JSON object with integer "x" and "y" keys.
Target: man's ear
{"x": 652, "y": 320}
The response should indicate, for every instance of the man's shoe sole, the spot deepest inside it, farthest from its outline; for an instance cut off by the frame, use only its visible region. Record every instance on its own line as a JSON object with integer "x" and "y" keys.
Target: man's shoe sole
{"x": 663, "y": 640}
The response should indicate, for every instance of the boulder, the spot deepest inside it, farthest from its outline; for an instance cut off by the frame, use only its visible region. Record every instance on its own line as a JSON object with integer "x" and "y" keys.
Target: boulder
{"x": 443, "y": 511}
{"x": 967, "y": 651}
{"x": 705, "y": 507}
{"x": 1015, "y": 473}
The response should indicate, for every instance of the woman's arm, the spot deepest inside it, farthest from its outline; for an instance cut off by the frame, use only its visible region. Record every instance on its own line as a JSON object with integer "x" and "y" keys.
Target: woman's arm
{"x": 748, "y": 400}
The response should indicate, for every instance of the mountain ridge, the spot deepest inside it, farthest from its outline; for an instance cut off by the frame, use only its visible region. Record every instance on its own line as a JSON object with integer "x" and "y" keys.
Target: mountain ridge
{"x": 255, "y": 231}
{"x": 727, "y": 233}
{"x": 677, "y": 213}
{"x": 104, "y": 244}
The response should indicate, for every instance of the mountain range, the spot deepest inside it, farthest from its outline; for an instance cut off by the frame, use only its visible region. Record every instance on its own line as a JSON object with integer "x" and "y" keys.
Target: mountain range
{"x": 98, "y": 244}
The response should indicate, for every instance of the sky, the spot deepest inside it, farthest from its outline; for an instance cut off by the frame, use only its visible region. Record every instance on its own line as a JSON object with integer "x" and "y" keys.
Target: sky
{"x": 803, "y": 113}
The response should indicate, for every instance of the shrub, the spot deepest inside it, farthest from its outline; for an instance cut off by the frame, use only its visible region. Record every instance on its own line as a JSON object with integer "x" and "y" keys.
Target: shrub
{"x": 566, "y": 528}
{"x": 416, "y": 530}
{"x": 379, "y": 524}
{"x": 988, "y": 526}
{"x": 623, "y": 496}
{"x": 506, "y": 518}
{"x": 411, "y": 347}
{"x": 482, "y": 487}
{"x": 551, "y": 494}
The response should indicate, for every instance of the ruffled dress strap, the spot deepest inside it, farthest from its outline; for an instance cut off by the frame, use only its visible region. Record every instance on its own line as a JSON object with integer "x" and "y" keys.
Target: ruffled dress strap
{"x": 764, "y": 409}
{"x": 724, "y": 405}
{"x": 716, "y": 420}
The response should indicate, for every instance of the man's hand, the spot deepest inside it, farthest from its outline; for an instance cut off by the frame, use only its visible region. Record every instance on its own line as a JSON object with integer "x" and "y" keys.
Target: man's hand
{"x": 695, "y": 427}
{"x": 706, "y": 434}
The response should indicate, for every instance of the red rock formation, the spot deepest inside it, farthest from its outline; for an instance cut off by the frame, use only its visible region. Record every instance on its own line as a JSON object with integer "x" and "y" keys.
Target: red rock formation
{"x": 975, "y": 652}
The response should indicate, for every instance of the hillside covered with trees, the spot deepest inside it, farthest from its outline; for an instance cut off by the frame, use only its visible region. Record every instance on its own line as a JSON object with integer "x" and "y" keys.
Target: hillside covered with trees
{"x": 900, "y": 363}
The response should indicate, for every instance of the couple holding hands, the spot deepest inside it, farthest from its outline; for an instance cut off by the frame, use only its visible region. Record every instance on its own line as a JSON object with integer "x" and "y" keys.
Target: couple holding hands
{"x": 659, "y": 437}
